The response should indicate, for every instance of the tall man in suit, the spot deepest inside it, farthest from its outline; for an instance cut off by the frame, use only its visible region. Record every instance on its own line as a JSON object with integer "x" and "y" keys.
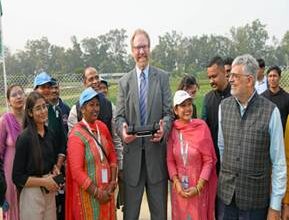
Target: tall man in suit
{"x": 144, "y": 97}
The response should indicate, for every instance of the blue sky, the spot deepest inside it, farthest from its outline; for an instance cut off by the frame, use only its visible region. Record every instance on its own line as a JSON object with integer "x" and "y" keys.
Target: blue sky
{"x": 60, "y": 19}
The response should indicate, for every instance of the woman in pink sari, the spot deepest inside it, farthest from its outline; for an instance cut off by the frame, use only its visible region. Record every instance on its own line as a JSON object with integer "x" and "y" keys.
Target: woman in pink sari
{"x": 10, "y": 128}
{"x": 191, "y": 163}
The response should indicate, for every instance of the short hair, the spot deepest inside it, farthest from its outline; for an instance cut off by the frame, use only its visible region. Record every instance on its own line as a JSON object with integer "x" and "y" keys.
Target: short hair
{"x": 54, "y": 82}
{"x": 261, "y": 63}
{"x": 250, "y": 64}
{"x": 140, "y": 31}
{"x": 216, "y": 60}
{"x": 276, "y": 68}
{"x": 228, "y": 61}
{"x": 88, "y": 68}
{"x": 187, "y": 81}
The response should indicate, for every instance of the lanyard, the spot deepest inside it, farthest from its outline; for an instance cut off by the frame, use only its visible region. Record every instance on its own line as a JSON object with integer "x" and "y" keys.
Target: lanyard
{"x": 184, "y": 149}
{"x": 98, "y": 138}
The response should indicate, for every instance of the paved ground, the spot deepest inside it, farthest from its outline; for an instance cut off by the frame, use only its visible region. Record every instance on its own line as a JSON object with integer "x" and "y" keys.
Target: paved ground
{"x": 144, "y": 213}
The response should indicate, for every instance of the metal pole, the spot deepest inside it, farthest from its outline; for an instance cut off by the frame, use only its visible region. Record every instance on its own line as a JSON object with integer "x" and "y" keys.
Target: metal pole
{"x": 3, "y": 62}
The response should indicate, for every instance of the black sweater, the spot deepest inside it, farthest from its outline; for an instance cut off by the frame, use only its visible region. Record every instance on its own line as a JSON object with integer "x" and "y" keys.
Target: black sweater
{"x": 24, "y": 165}
{"x": 281, "y": 99}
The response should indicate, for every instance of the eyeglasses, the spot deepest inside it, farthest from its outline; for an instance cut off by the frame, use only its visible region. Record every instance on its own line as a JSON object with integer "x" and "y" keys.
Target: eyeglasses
{"x": 18, "y": 93}
{"x": 238, "y": 75}
{"x": 141, "y": 47}
{"x": 40, "y": 107}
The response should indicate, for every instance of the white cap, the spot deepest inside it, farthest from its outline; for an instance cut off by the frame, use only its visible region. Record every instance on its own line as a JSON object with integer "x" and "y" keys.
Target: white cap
{"x": 180, "y": 97}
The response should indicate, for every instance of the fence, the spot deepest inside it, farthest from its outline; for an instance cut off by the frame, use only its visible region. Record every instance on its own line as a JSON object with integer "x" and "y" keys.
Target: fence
{"x": 71, "y": 86}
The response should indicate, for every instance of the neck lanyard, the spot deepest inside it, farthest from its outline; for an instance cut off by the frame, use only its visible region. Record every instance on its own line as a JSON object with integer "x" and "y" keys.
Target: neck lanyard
{"x": 184, "y": 149}
{"x": 98, "y": 138}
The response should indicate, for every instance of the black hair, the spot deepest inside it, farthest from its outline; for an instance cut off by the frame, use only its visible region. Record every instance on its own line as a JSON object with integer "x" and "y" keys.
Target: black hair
{"x": 30, "y": 125}
{"x": 104, "y": 82}
{"x": 216, "y": 60}
{"x": 228, "y": 61}
{"x": 8, "y": 93}
{"x": 261, "y": 63}
{"x": 187, "y": 81}
{"x": 276, "y": 68}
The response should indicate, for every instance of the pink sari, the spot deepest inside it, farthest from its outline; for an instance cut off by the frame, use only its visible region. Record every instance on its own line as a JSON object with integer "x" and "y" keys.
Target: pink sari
{"x": 200, "y": 163}
{"x": 9, "y": 131}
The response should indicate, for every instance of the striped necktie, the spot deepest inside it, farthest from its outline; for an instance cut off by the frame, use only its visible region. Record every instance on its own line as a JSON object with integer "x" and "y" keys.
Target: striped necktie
{"x": 143, "y": 98}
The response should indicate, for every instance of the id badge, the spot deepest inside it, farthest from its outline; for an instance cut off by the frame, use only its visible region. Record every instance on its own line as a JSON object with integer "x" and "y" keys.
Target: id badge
{"x": 104, "y": 176}
{"x": 185, "y": 182}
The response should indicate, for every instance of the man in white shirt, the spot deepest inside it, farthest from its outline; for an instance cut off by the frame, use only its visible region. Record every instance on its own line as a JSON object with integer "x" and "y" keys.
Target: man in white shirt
{"x": 261, "y": 84}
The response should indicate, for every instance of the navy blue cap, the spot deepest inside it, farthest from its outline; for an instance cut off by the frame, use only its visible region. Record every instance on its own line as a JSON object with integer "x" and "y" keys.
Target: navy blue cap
{"x": 88, "y": 94}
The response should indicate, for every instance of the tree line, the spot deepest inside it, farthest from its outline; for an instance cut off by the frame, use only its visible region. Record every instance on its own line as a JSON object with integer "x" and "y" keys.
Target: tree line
{"x": 174, "y": 52}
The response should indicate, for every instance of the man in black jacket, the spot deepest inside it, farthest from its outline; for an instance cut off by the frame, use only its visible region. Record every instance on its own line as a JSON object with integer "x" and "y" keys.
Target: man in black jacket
{"x": 220, "y": 90}
{"x": 276, "y": 94}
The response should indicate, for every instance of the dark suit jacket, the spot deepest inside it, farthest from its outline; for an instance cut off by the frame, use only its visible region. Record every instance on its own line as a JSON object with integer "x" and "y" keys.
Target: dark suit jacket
{"x": 158, "y": 107}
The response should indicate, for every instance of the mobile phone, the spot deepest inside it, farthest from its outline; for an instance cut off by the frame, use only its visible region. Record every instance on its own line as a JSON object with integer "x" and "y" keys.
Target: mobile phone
{"x": 59, "y": 179}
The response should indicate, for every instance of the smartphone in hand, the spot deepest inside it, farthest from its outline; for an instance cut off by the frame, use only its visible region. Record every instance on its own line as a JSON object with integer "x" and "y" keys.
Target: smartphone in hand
{"x": 59, "y": 179}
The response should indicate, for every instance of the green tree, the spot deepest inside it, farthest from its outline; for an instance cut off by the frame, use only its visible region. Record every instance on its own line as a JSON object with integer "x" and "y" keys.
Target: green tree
{"x": 74, "y": 56}
{"x": 250, "y": 39}
{"x": 57, "y": 61}
{"x": 165, "y": 54}
{"x": 107, "y": 52}
{"x": 285, "y": 47}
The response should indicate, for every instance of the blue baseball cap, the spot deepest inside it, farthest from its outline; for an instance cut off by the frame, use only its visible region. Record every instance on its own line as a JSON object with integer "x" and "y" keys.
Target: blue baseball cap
{"x": 41, "y": 79}
{"x": 87, "y": 95}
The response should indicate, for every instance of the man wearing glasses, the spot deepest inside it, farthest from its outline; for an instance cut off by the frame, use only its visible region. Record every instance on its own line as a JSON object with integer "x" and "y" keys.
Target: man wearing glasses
{"x": 252, "y": 179}
{"x": 144, "y": 98}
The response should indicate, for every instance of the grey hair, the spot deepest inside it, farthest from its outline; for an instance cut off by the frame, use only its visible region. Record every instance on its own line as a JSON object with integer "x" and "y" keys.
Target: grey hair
{"x": 250, "y": 64}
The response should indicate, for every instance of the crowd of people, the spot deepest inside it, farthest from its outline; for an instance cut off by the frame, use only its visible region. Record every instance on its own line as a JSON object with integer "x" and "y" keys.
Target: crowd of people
{"x": 85, "y": 162}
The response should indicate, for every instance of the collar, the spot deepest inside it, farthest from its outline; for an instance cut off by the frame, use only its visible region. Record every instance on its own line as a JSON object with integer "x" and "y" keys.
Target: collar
{"x": 243, "y": 107}
{"x": 91, "y": 130}
{"x": 277, "y": 93}
{"x": 264, "y": 80}
{"x": 139, "y": 71}
{"x": 226, "y": 90}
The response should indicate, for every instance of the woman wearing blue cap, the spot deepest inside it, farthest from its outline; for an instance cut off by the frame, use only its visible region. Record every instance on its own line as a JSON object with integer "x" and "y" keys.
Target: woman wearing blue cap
{"x": 91, "y": 165}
